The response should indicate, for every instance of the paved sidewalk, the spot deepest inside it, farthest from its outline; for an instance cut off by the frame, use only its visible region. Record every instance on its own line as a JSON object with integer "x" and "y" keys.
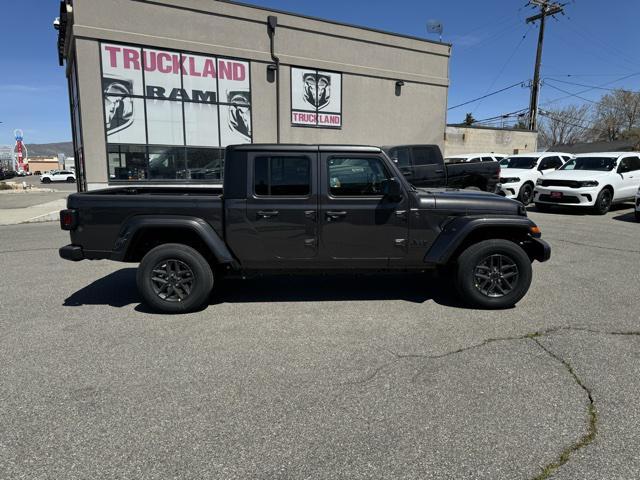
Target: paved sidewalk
{"x": 43, "y": 212}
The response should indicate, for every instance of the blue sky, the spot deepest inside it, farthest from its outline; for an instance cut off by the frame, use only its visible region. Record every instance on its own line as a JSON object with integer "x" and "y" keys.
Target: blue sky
{"x": 596, "y": 42}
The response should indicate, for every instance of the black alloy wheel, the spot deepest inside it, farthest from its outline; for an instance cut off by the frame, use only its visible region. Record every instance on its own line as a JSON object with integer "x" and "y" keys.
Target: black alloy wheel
{"x": 496, "y": 275}
{"x": 172, "y": 280}
{"x": 526, "y": 194}
{"x": 493, "y": 274}
{"x": 603, "y": 202}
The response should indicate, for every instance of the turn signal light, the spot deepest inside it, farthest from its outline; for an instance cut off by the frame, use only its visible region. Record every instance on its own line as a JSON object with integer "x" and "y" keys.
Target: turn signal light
{"x": 535, "y": 231}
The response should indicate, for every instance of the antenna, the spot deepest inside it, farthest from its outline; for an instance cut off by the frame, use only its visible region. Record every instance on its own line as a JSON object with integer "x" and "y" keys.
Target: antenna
{"x": 435, "y": 26}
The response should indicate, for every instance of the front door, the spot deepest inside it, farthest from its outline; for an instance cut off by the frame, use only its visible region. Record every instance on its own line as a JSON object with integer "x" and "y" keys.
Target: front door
{"x": 629, "y": 171}
{"x": 359, "y": 226}
{"x": 282, "y": 209}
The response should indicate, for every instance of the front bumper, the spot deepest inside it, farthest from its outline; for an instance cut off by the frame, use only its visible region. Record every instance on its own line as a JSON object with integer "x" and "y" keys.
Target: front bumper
{"x": 71, "y": 252}
{"x": 509, "y": 190}
{"x": 541, "y": 250}
{"x": 578, "y": 197}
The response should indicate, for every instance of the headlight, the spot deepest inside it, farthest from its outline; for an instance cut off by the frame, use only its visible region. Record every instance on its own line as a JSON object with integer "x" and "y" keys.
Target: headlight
{"x": 509, "y": 180}
{"x": 590, "y": 183}
{"x": 539, "y": 181}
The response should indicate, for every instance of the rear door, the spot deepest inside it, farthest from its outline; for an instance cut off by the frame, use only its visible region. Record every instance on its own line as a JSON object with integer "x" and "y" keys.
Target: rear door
{"x": 282, "y": 208}
{"x": 360, "y": 227}
{"x": 428, "y": 166}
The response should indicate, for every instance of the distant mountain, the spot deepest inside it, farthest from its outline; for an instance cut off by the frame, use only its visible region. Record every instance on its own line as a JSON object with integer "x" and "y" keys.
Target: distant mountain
{"x": 49, "y": 149}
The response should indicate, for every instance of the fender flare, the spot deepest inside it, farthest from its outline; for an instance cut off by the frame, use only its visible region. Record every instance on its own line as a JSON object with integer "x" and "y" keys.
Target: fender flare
{"x": 456, "y": 231}
{"x": 197, "y": 225}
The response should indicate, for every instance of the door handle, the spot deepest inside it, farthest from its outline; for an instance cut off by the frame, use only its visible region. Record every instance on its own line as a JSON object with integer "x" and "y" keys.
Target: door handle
{"x": 440, "y": 171}
{"x": 335, "y": 215}
{"x": 267, "y": 213}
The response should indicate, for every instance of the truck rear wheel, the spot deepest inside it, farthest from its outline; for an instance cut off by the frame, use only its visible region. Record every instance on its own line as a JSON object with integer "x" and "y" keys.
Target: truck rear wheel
{"x": 174, "y": 278}
{"x": 493, "y": 274}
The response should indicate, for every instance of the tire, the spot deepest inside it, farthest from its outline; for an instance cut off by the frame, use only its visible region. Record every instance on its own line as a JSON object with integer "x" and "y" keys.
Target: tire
{"x": 603, "y": 202}
{"x": 543, "y": 207}
{"x": 483, "y": 257}
{"x": 637, "y": 215}
{"x": 526, "y": 194}
{"x": 71, "y": 180}
{"x": 46, "y": 180}
{"x": 180, "y": 266}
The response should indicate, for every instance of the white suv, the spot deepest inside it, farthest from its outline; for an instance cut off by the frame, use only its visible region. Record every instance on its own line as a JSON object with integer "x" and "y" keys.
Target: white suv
{"x": 58, "y": 176}
{"x": 595, "y": 180}
{"x": 520, "y": 172}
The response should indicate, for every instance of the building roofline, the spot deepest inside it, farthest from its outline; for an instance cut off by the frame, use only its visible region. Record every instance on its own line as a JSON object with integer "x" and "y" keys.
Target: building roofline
{"x": 334, "y": 22}
{"x": 482, "y": 127}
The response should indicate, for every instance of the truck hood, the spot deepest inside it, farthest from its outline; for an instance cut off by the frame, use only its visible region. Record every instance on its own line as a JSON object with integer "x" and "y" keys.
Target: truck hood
{"x": 468, "y": 202}
{"x": 576, "y": 175}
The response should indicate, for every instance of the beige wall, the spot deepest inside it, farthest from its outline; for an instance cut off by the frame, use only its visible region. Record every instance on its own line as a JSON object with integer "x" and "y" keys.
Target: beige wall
{"x": 371, "y": 62}
{"x": 460, "y": 140}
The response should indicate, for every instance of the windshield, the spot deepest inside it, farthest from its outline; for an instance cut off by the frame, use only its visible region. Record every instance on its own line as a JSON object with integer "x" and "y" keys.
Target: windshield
{"x": 519, "y": 162}
{"x": 601, "y": 164}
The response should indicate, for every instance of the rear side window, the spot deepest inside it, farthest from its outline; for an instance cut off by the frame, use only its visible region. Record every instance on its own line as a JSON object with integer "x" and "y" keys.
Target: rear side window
{"x": 282, "y": 176}
{"x": 426, "y": 156}
{"x": 487, "y": 159}
{"x": 634, "y": 163}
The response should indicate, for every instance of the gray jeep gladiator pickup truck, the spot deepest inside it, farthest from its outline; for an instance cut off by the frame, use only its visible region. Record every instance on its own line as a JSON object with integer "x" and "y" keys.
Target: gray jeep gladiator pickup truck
{"x": 305, "y": 208}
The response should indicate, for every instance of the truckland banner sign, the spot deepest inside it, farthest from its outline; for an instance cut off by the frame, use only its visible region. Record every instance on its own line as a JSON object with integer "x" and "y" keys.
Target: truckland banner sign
{"x": 160, "y": 97}
{"x": 316, "y": 98}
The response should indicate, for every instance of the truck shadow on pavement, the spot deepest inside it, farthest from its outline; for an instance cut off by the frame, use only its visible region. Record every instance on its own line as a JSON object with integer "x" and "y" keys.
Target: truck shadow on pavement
{"x": 118, "y": 289}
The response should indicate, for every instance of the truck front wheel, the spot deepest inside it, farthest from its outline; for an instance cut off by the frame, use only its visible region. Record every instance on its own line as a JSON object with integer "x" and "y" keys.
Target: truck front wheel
{"x": 174, "y": 278}
{"x": 493, "y": 274}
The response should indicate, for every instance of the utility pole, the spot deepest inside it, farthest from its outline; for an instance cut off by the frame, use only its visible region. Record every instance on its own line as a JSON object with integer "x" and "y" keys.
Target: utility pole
{"x": 547, "y": 9}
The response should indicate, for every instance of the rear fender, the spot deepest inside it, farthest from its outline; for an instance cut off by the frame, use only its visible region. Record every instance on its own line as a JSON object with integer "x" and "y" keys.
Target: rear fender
{"x": 197, "y": 225}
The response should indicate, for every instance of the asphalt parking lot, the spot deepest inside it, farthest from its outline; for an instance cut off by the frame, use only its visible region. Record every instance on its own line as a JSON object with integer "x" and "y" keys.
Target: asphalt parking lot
{"x": 324, "y": 377}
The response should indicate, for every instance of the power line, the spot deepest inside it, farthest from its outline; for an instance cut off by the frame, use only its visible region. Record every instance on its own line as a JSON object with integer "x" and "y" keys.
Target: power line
{"x": 589, "y": 86}
{"x": 570, "y": 94}
{"x": 592, "y": 88}
{"x": 497, "y": 77}
{"x": 486, "y": 96}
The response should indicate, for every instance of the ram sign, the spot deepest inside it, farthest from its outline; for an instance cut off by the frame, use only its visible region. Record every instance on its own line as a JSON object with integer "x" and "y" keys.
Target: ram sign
{"x": 160, "y": 97}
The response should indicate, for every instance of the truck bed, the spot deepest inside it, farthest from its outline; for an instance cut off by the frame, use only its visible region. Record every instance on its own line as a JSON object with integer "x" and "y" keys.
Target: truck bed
{"x": 109, "y": 209}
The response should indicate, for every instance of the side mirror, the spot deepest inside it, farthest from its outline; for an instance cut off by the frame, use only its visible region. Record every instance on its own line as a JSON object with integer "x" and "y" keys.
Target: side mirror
{"x": 392, "y": 189}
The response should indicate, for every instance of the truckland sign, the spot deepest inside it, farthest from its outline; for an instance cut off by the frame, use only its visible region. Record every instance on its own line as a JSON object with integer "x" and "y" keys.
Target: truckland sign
{"x": 160, "y": 97}
{"x": 316, "y": 98}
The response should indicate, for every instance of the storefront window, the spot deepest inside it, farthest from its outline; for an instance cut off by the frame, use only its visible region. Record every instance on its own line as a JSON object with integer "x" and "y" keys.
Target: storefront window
{"x": 169, "y": 115}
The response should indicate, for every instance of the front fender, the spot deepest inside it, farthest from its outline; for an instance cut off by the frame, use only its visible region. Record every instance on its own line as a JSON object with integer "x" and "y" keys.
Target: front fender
{"x": 200, "y": 227}
{"x": 455, "y": 232}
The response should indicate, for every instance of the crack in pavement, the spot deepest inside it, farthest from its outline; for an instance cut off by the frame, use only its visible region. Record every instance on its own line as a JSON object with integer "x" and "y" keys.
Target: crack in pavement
{"x": 592, "y": 413}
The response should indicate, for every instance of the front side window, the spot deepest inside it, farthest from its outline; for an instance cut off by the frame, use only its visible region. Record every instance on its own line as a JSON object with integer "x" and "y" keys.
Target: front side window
{"x": 282, "y": 176}
{"x": 356, "y": 176}
{"x": 401, "y": 157}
